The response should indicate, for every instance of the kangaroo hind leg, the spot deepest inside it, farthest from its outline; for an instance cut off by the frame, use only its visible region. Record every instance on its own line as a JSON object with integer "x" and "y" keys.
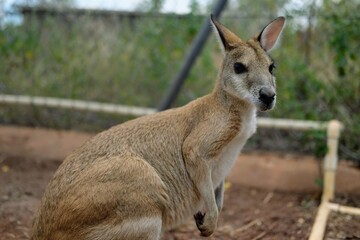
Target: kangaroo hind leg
{"x": 143, "y": 228}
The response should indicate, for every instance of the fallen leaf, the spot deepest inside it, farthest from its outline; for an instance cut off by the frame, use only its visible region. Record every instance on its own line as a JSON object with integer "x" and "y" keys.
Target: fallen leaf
{"x": 5, "y": 168}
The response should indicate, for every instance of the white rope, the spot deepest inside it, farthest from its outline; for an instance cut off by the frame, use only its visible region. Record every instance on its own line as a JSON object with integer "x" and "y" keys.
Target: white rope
{"x": 75, "y": 104}
{"x": 287, "y": 124}
{"x": 291, "y": 124}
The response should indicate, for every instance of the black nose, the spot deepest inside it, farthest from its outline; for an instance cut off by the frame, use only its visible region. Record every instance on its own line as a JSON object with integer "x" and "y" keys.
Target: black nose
{"x": 266, "y": 95}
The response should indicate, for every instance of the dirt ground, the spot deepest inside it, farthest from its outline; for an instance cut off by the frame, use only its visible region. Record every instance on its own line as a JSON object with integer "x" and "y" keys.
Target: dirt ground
{"x": 250, "y": 212}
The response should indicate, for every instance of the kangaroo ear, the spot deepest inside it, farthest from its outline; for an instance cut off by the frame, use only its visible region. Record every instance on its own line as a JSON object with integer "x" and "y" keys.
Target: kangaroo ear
{"x": 270, "y": 34}
{"x": 227, "y": 39}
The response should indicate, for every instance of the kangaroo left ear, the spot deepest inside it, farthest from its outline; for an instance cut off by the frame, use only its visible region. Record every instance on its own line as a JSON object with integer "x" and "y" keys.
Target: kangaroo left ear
{"x": 227, "y": 39}
{"x": 270, "y": 34}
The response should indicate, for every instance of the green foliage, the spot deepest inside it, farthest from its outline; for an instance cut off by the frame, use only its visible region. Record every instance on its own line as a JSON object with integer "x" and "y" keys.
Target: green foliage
{"x": 131, "y": 62}
{"x": 320, "y": 78}
{"x": 319, "y": 182}
{"x": 58, "y": 60}
{"x": 344, "y": 32}
{"x": 341, "y": 21}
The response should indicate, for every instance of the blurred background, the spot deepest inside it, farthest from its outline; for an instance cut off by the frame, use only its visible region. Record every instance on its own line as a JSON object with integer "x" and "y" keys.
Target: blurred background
{"x": 127, "y": 52}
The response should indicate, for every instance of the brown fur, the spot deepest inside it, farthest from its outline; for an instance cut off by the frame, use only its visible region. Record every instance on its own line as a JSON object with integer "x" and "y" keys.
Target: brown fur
{"x": 150, "y": 174}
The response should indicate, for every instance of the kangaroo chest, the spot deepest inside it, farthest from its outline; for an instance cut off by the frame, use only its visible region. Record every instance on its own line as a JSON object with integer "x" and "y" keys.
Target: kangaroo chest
{"x": 231, "y": 151}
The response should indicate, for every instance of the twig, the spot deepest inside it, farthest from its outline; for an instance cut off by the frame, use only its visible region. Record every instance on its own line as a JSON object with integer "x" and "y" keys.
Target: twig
{"x": 265, "y": 232}
{"x": 259, "y": 236}
{"x": 268, "y": 198}
{"x": 247, "y": 226}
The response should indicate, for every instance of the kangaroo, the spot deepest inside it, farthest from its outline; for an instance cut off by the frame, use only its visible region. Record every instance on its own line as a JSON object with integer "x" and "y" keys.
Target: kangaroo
{"x": 140, "y": 178}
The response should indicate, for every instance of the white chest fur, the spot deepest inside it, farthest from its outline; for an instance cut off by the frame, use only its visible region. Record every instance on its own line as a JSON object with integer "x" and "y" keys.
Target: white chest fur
{"x": 232, "y": 150}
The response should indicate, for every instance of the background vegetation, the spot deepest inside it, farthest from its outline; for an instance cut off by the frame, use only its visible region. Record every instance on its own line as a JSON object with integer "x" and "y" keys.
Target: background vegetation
{"x": 131, "y": 62}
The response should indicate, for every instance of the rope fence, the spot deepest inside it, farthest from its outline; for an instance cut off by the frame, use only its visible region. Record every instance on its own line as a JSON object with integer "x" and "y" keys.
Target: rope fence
{"x": 75, "y": 104}
{"x": 81, "y": 105}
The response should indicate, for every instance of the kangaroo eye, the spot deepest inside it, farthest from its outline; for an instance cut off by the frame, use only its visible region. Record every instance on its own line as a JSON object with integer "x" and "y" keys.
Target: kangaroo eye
{"x": 271, "y": 68}
{"x": 240, "y": 68}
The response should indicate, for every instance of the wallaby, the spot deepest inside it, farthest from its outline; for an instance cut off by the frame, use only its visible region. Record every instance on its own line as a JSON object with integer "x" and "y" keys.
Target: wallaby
{"x": 150, "y": 174}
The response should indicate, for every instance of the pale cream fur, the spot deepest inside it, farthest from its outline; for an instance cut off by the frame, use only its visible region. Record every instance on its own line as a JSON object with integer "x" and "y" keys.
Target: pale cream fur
{"x": 142, "y": 228}
{"x": 148, "y": 175}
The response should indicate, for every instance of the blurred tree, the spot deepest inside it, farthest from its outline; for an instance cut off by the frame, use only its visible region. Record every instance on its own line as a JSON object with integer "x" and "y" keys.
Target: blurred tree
{"x": 251, "y": 14}
{"x": 267, "y": 8}
{"x": 342, "y": 28}
{"x": 343, "y": 31}
{"x": 150, "y": 6}
{"x": 50, "y": 3}
{"x": 194, "y": 7}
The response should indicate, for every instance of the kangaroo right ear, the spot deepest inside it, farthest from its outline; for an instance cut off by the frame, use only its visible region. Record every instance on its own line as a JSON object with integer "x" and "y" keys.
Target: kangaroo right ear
{"x": 270, "y": 34}
{"x": 227, "y": 39}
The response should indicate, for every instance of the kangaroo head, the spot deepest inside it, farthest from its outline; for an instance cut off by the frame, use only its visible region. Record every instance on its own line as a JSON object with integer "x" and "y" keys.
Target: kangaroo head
{"x": 247, "y": 71}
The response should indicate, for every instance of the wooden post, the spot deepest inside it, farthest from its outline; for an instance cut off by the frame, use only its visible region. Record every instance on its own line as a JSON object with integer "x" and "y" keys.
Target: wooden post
{"x": 331, "y": 159}
{"x": 344, "y": 209}
{"x": 330, "y": 165}
{"x": 318, "y": 229}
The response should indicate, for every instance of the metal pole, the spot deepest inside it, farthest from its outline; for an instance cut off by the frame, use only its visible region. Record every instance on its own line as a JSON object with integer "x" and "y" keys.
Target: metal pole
{"x": 190, "y": 58}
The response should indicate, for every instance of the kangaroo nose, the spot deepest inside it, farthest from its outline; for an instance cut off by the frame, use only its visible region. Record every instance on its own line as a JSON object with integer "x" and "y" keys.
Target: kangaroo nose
{"x": 266, "y": 95}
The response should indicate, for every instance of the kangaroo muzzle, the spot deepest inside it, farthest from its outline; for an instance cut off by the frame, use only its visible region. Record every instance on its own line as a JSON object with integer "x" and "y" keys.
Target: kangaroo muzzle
{"x": 267, "y": 97}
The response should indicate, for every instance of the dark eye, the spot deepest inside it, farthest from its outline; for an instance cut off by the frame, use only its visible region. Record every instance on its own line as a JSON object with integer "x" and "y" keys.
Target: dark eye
{"x": 271, "y": 68}
{"x": 240, "y": 68}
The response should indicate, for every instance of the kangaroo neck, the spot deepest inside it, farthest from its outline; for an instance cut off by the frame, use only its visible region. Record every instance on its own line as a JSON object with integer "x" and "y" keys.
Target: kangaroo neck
{"x": 231, "y": 102}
